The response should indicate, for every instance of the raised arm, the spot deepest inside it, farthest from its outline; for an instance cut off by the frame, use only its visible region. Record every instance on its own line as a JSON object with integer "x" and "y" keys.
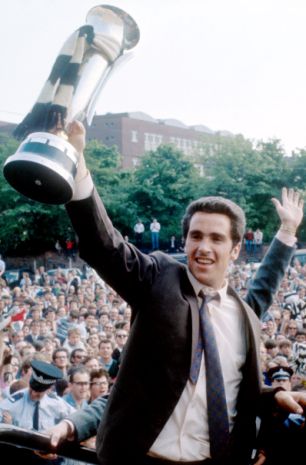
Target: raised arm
{"x": 290, "y": 211}
{"x": 119, "y": 263}
{"x": 277, "y": 258}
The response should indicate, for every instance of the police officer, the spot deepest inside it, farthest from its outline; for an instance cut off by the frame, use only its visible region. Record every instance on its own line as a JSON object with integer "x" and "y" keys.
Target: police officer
{"x": 36, "y": 408}
{"x": 280, "y": 377}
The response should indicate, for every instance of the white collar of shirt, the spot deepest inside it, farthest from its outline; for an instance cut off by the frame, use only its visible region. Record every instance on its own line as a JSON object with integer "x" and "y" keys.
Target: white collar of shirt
{"x": 210, "y": 293}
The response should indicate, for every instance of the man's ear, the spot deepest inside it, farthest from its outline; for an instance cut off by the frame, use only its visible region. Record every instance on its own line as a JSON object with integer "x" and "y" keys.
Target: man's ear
{"x": 235, "y": 251}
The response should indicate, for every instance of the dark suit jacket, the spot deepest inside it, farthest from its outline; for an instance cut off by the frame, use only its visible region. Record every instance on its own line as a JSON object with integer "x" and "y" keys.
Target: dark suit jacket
{"x": 29, "y": 338}
{"x": 165, "y": 326}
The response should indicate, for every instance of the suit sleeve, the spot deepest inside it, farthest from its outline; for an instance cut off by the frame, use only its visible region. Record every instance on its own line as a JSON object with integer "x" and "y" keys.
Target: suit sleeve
{"x": 119, "y": 263}
{"x": 268, "y": 277}
{"x": 86, "y": 421}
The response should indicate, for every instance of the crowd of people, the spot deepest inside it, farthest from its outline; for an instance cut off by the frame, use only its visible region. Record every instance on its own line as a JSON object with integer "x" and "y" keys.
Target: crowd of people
{"x": 181, "y": 347}
{"x": 283, "y": 331}
{"x": 81, "y": 325}
{"x": 75, "y": 323}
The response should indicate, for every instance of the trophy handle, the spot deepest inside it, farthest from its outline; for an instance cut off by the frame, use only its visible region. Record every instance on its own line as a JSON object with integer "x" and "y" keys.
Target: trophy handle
{"x": 96, "y": 94}
{"x": 115, "y": 34}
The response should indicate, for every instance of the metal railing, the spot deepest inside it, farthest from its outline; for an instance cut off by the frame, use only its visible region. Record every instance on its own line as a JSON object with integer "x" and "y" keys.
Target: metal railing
{"x": 19, "y": 437}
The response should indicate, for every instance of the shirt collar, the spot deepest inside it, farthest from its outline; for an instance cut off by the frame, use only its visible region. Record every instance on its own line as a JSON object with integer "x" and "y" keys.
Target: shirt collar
{"x": 218, "y": 294}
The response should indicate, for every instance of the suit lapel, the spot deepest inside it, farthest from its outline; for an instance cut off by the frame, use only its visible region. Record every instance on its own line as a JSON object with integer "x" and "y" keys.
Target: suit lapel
{"x": 253, "y": 332}
{"x": 189, "y": 294}
{"x": 252, "y": 321}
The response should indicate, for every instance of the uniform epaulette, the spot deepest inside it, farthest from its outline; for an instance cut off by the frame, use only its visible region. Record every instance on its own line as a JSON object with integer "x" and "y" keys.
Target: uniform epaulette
{"x": 52, "y": 394}
{"x": 16, "y": 396}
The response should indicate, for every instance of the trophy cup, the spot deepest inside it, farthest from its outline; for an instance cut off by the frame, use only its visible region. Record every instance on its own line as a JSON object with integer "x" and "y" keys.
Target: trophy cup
{"x": 44, "y": 165}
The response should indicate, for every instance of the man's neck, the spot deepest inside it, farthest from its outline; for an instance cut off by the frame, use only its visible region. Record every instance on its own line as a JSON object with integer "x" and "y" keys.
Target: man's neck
{"x": 198, "y": 286}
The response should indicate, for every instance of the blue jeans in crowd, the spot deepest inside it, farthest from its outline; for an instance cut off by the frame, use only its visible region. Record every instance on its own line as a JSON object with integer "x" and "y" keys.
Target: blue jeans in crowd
{"x": 155, "y": 240}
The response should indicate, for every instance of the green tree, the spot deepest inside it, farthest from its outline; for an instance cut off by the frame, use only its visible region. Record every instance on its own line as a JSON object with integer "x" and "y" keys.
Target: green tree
{"x": 163, "y": 184}
{"x": 27, "y": 226}
{"x": 112, "y": 182}
{"x": 247, "y": 174}
{"x": 297, "y": 179}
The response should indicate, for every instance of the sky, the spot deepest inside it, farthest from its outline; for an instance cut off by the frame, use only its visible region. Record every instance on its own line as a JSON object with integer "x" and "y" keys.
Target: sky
{"x": 235, "y": 65}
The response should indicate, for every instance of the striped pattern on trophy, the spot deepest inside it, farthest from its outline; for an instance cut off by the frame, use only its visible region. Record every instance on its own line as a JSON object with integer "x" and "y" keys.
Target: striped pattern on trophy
{"x": 52, "y": 105}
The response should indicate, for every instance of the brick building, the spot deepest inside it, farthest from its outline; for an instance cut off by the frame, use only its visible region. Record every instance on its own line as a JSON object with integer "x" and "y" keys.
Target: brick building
{"x": 7, "y": 128}
{"x": 136, "y": 133}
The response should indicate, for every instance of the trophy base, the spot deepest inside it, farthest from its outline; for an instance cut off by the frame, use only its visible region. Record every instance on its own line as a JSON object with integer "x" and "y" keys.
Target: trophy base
{"x": 43, "y": 169}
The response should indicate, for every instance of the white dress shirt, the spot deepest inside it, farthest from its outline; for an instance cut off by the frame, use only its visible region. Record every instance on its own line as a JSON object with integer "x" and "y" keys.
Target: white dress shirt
{"x": 185, "y": 436}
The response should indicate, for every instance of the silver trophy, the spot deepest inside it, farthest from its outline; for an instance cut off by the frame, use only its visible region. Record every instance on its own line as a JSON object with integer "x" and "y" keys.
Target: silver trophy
{"x": 44, "y": 165}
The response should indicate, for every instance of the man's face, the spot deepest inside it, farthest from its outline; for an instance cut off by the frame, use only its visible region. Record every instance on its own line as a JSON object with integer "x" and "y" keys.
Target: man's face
{"x": 271, "y": 327}
{"x": 92, "y": 364}
{"x": 106, "y": 350}
{"x": 99, "y": 387}
{"x": 79, "y": 356}
{"x": 35, "y": 327}
{"x": 61, "y": 360}
{"x": 79, "y": 387}
{"x": 209, "y": 248}
{"x": 74, "y": 339}
{"x": 284, "y": 383}
{"x": 35, "y": 395}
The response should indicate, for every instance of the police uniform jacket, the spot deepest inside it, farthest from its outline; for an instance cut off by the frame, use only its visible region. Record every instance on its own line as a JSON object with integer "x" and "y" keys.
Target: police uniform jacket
{"x": 52, "y": 409}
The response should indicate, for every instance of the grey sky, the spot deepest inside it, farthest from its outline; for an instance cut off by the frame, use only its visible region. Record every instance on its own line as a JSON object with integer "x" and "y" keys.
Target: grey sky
{"x": 236, "y": 65}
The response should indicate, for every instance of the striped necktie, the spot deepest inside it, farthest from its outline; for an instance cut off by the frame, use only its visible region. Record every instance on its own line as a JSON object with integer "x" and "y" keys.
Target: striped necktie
{"x": 36, "y": 416}
{"x": 216, "y": 401}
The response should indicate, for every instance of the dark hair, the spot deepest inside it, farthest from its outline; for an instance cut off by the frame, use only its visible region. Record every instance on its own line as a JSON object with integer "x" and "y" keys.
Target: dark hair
{"x": 60, "y": 386}
{"x": 17, "y": 386}
{"x": 57, "y": 350}
{"x": 270, "y": 344}
{"x": 217, "y": 205}
{"x": 99, "y": 373}
{"x": 75, "y": 351}
{"x": 285, "y": 343}
{"x": 75, "y": 370}
{"x": 300, "y": 332}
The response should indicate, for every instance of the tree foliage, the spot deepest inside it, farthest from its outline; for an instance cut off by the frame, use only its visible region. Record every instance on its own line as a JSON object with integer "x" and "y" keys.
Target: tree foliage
{"x": 250, "y": 175}
{"x": 164, "y": 183}
{"x": 161, "y": 186}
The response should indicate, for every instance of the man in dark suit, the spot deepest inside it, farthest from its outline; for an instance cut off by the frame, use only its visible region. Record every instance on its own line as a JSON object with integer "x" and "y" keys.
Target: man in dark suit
{"x": 155, "y": 414}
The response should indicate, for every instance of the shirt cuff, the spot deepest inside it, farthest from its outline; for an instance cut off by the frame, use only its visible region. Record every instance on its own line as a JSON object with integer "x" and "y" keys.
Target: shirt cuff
{"x": 286, "y": 238}
{"x": 83, "y": 188}
{"x": 71, "y": 430}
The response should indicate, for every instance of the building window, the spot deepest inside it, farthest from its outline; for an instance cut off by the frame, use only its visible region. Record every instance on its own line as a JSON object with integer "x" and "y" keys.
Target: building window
{"x": 135, "y": 161}
{"x": 200, "y": 169}
{"x": 152, "y": 141}
{"x": 134, "y": 136}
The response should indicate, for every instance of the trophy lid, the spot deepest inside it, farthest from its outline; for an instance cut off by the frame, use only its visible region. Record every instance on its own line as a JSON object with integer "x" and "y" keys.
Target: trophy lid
{"x": 131, "y": 31}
